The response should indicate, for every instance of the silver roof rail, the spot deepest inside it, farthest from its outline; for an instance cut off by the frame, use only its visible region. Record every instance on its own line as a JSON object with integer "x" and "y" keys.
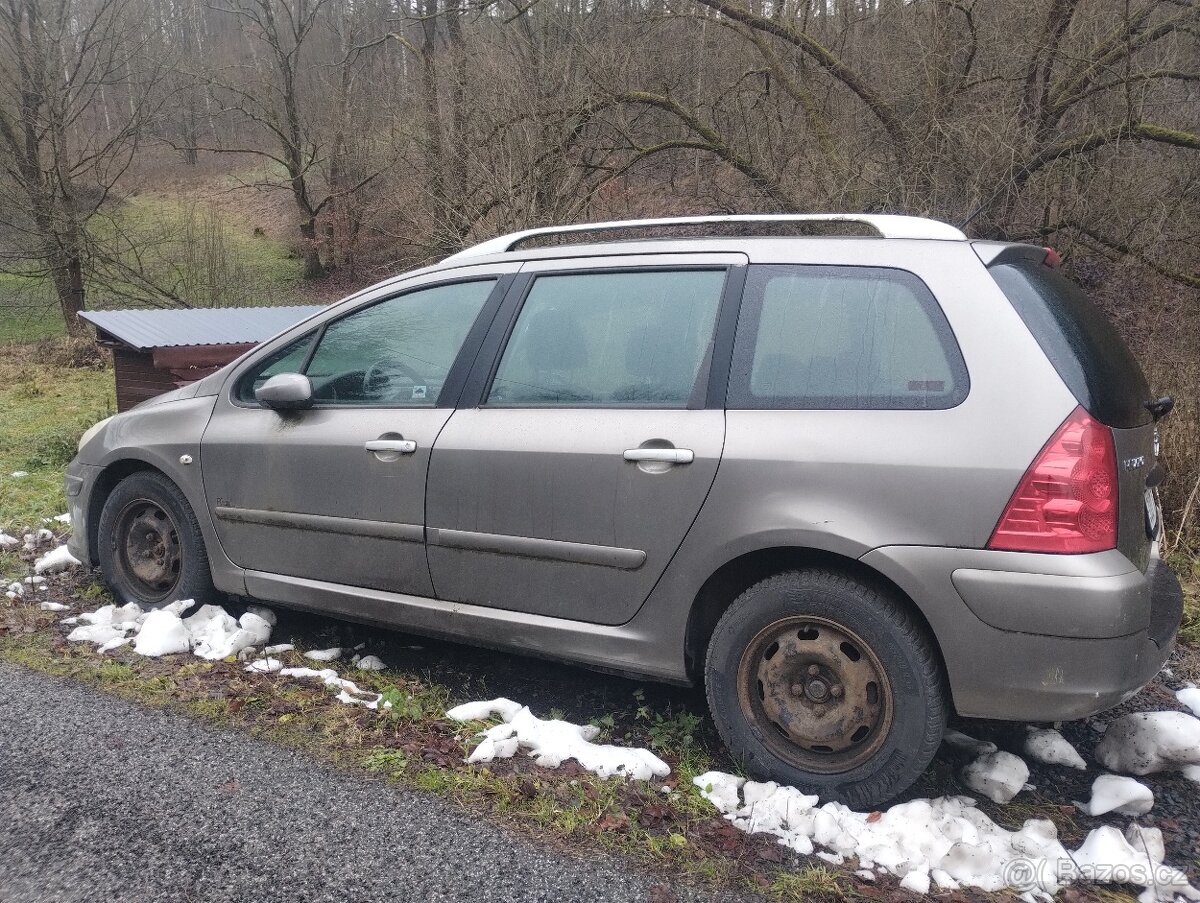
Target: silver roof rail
{"x": 886, "y": 224}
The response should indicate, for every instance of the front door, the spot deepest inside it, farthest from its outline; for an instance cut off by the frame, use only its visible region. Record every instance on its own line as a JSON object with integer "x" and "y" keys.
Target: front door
{"x": 337, "y": 493}
{"x": 568, "y": 489}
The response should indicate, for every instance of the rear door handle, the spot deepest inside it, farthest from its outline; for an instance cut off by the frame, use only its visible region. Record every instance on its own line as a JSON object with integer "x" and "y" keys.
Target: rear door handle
{"x": 403, "y": 446}
{"x": 662, "y": 455}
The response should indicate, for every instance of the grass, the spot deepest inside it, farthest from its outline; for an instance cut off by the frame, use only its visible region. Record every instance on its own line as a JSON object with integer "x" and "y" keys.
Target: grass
{"x": 44, "y": 409}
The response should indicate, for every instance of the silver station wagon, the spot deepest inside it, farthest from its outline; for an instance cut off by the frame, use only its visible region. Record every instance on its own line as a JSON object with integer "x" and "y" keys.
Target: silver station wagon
{"x": 851, "y": 473}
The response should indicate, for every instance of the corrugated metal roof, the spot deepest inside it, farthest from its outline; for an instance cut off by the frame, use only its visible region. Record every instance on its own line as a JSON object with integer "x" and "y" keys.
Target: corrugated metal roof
{"x": 144, "y": 329}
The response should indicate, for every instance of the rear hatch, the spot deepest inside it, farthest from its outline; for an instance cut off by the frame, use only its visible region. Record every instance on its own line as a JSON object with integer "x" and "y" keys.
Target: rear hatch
{"x": 1099, "y": 369}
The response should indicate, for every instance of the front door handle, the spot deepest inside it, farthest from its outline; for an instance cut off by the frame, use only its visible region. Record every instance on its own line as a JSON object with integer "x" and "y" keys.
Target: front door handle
{"x": 401, "y": 446}
{"x": 661, "y": 455}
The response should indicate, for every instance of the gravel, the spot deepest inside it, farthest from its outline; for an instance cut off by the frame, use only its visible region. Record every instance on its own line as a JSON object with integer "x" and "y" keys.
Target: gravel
{"x": 104, "y": 800}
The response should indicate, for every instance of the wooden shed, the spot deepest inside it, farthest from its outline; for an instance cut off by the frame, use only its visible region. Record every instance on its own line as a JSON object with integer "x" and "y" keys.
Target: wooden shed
{"x": 155, "y": 351}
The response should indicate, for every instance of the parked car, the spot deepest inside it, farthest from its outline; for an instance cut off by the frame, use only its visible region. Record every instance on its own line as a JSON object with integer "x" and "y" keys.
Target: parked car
{"x": 850, "y": 483}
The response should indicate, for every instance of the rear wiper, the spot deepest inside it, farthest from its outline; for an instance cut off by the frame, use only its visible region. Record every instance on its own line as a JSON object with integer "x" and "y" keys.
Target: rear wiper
{"x": 1160, "y": 407}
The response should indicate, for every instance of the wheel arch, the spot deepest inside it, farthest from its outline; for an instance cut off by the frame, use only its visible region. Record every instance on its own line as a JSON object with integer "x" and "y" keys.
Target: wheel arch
{"x": 114, "y": 472}
{"x": 738, "y": 574}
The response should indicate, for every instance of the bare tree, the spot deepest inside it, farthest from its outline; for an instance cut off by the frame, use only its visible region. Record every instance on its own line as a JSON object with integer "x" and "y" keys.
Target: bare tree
{"x": 76, "y": 91}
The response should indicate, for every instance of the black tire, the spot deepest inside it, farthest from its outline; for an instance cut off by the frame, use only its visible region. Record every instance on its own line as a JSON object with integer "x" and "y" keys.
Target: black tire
{"x": 146, "y": 515}
{"x": 789, "y": 678}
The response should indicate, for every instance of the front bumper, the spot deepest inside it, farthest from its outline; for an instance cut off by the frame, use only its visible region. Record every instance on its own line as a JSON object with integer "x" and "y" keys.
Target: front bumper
{"x": 79, "y": 482}
{"x": 1030, "y": 637}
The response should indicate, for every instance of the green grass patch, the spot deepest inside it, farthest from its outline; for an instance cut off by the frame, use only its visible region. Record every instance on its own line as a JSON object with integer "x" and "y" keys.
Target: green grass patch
{"x": 44, "y": 410}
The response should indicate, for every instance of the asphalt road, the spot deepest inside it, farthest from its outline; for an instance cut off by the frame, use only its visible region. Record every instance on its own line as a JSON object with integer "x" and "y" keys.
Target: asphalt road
{"x": 104, "y": 800}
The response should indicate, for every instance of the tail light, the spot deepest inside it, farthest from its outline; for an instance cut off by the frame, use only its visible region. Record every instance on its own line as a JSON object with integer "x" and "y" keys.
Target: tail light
{"x": 1067, "y": 500}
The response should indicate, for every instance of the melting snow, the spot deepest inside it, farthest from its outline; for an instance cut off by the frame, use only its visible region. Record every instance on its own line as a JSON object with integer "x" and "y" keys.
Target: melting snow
{"x": 1147, "y": 742}
{"x": 945, "y": 842}
{"x": 54, "y": 606}
{"x": 1114, "y": 793}
{"x": 348, "y": 691}
{"x": 552, "y": 742}
{"x": 999, "y": 776}
{"x": 1052, "y": 748}
{"x": 8, "y": 542}
{"x": 58, "y": 559}
{"x": 370, "y": 663}
{"x": 1147, "y": 840}
{"x": 210, "y": 632}
{"x": 324, "y": 655}
{"x": 265, "y": 665}
{"x": 1190, "y": 697}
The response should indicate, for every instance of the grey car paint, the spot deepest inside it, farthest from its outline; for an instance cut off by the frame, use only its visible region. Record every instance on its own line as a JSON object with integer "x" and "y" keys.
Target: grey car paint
{"x": 908, "y": 496}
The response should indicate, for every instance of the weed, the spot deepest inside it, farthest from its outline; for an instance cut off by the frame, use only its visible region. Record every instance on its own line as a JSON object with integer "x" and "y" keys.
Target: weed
{"x": 389, "y": 762}
{"x": 814, "y": 880}
{"x": 404, "y": 705}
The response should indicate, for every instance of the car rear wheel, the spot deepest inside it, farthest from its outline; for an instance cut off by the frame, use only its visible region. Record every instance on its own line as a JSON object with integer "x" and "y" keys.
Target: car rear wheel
{"x": 150, "y": 546}
{"x": 828, "y": 684}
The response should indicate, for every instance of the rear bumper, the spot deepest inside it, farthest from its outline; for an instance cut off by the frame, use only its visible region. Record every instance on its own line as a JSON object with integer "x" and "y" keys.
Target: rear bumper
{"x": 1040, "y": 637}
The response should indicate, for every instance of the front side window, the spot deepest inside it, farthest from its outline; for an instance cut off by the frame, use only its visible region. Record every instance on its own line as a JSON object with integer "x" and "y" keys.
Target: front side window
{"x": 634, "y": 339}
{"x": 825, "y": 337}
{"x": 396, "y": 353}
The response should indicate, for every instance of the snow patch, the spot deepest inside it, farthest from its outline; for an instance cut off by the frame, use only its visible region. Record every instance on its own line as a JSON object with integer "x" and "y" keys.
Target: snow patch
{"x": 58, "y": 559}
{"x": 348, "y": 691}
{"x": 370, "y": 663}
{"x": 1114, "y": 793}
{"x": 162, "y": 633}
{"x": 8, "y": 542}
{"x": 54, "y": 606}
{"x": 945, "y": 841}
{"x": 551, "y": 742}
{"x": 1147, "y": 840}
{"x": 264, "y": 666}
{"x": 999, "y": 776}
{"x": 210, "y": 632}
{"x": 1147, "y": 742}
{"x": 1190, "y": 697}
{"x": 324, "y": 655}
{"x": 1052, "y": 748}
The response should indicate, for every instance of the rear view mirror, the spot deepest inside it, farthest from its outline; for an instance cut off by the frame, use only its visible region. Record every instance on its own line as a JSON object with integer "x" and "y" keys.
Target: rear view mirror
{"x": 286, "y": 392}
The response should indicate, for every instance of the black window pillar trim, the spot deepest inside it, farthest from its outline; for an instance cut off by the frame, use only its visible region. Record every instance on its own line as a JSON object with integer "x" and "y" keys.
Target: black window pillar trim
{"x": 723, "y": 336}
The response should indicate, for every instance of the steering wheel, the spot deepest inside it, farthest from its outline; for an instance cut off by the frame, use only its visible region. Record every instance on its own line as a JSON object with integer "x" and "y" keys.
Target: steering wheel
{"x": 380, "y": 375}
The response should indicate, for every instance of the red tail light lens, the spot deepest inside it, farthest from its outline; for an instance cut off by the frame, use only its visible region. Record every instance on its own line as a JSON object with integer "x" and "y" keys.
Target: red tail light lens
{"x": 1067, "y": 500}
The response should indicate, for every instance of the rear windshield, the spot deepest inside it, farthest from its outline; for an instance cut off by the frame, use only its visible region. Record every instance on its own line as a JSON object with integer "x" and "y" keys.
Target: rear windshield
{"x": 1080, "y": 342}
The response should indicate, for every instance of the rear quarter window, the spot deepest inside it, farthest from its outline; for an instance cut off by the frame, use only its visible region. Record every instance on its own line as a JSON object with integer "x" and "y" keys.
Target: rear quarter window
{"x": 1079, "y": 340}
{"x": 828, "y": 337}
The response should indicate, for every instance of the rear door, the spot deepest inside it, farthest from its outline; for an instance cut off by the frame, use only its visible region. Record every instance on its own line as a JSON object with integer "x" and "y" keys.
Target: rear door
{"x": 571, "y": 482}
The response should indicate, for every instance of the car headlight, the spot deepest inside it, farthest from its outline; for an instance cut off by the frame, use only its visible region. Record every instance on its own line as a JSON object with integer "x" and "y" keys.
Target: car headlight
{"x": 91, "y": 432}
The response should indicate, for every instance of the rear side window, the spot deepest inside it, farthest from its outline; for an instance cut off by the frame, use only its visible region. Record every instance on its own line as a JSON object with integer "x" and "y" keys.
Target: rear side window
{"x": 822, "y": 337}
{"x": 633, "y": 339}
{"x": 1084, "y": 347}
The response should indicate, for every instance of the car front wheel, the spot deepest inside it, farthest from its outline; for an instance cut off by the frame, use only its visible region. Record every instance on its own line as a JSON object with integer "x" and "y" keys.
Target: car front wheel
{"x": 150, "y": 546}
{"x": 828, "y": 684}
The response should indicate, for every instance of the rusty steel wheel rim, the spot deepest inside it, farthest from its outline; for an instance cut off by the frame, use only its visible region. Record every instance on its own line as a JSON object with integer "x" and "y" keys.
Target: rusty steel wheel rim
{"x": 148, "y": 550}
{"x": 817, "y": 692}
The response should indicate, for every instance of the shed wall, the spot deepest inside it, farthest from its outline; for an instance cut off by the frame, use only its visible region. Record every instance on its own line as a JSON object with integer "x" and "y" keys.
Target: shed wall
{"x": 137, "y": 378}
